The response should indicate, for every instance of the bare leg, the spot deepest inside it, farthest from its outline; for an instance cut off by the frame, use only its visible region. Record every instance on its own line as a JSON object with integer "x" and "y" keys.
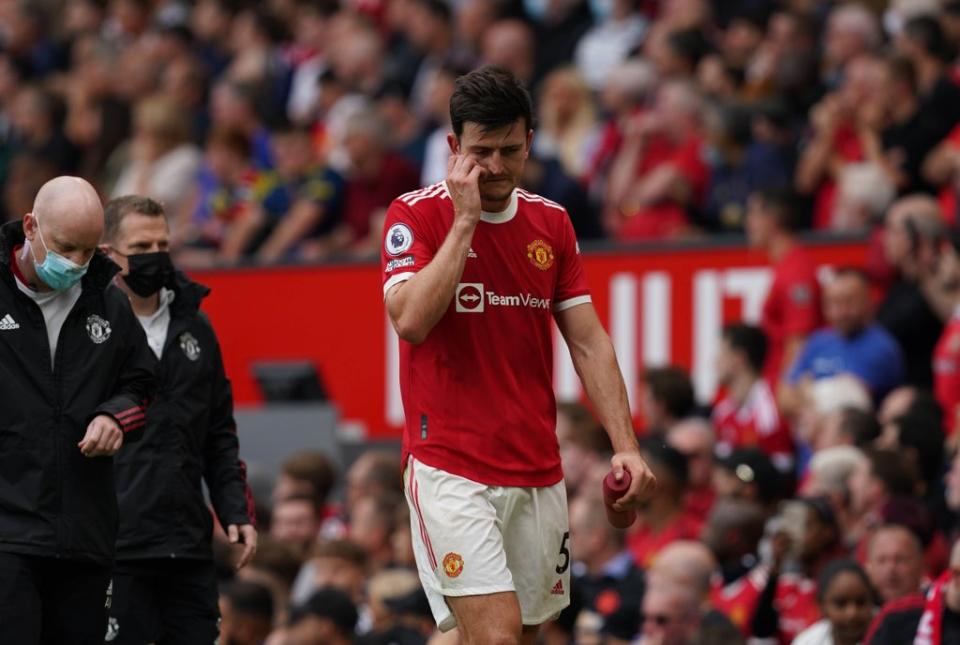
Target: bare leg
{"x": 491, "y": 619}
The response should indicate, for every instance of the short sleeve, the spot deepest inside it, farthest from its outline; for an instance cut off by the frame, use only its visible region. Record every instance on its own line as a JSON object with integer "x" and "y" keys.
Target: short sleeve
{"x": 405, "y": 248}
{"x": 801, "y": 311}
{"x": 572, "y": 289}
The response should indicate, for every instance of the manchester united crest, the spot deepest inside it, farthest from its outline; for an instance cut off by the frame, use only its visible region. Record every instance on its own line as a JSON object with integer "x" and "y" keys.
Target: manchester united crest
{"x": 452, "y": 564}
{"x": 98, "y": 329}
{"x": 190, "y": 346}
{"x": 540, "y": 254}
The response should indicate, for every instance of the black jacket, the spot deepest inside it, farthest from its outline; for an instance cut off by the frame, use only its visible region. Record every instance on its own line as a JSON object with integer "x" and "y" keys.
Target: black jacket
{"x": 190, "y": 435}
{"x": 54, "y": 502}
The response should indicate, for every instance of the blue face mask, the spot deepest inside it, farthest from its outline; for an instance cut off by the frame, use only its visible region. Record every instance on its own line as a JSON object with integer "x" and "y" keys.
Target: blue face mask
{"x": 57, "y": 272}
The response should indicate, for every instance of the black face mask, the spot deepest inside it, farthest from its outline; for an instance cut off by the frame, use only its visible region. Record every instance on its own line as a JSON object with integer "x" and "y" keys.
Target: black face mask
{"x": 148, "y": 272}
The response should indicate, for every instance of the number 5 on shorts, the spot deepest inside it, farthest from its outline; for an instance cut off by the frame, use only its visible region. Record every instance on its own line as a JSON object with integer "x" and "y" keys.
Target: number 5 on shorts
{"x": 564, "y": 553}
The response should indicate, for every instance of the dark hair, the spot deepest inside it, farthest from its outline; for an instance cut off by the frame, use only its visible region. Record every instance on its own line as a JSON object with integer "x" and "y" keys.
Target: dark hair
{"x": 927, "y": 32}
{"x": 834, "y": 569}
{"x": 903, "y": 71}
{"x": 920, "y": 430}
{"x": 821, "y": 508}
{"x": 862, "y": 427}
{"x": 438, "y": 9}
{"x": 119, "y": 207}
{"x": 586, "y": 431}
{"x": 690, "y": 44}
{"x": 781, "y": 202}
{"x": 342, "y": 550}
{"x": 305, "y": 498}
{"x": 492, "y": 98}
{"x": 278, "y": 558}
{"x": 750, "y": 340}
{"x": 313, "y": 467}
{"x": 332, "y": 604}
{"x": 232, "y": 139}
{"x": 890, "y": 468}
{"x": 669, "y": 458}
{"x": 248, "y": 598}
{"x": 671, "y": 386}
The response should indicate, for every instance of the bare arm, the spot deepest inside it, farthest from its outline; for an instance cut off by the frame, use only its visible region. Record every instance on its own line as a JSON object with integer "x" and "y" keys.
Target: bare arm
{"x": 596, "y": 364}
{"x": 417, "y": 305}
{"x": 240, "y": 232}
{"x": 294, "y": 227}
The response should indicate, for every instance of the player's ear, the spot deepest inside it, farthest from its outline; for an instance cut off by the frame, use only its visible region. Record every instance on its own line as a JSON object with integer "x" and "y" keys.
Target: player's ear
{"x": 526, "y": 152}
{"x": 453, "y": 142}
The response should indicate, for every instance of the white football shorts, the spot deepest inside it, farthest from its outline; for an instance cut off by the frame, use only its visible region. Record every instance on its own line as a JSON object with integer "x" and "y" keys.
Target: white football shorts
{"x": 472, "y": 539}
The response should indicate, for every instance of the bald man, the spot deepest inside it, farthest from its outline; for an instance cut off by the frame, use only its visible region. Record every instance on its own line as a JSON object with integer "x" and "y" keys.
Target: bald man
{"x": 75, "y": 374}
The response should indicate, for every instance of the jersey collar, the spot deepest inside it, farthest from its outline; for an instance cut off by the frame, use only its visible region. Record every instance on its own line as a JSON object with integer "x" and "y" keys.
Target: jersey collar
{"x": 503, "y": 216}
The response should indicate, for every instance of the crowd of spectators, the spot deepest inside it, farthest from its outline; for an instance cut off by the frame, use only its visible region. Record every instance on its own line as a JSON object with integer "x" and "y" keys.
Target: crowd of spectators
{"x": 280, "y": 130}
{"x": 817, "y": 500}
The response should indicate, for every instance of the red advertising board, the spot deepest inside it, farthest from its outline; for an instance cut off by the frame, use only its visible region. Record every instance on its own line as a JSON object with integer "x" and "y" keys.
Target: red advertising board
{"x": 661, "y": 306}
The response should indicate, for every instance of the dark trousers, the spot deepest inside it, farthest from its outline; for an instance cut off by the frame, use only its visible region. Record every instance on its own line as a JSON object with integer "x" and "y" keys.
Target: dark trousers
{"x": 164, "y": 601}
{"x": 52, "y": 601}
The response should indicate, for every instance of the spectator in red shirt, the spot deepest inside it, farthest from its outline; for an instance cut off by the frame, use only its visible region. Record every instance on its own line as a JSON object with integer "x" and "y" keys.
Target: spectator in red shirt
{"x": 659, "y": 172}
{"x": 662, "y": 519}
{"x": 375, "y": 177}
{"x": 747, "y": 415}
{"x": 792, "y": 308}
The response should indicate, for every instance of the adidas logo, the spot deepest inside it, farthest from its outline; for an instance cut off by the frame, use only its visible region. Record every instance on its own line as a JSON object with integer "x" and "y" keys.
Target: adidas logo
{"x": 557, "y": 589}
{"x": 471, "y": 253}
{"x": 7, "y": 323}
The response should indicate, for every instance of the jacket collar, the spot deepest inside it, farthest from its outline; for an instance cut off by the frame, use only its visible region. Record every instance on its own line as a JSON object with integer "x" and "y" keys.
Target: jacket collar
{"x": 98, "y": 276}
{"x": 189, "y": 294}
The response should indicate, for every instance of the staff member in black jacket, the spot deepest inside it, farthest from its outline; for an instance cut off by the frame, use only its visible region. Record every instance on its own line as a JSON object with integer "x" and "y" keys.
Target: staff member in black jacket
{"x": 74, "y": 378}
{"x": 164, "y": 583}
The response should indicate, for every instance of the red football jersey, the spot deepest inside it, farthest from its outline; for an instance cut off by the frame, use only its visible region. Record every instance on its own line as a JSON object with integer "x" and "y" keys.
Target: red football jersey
{"x": 478, "y": 392}
{"x": 946, "y": 372}
{"x": 795, "y": 601}
{"x": 792, "y": 307}
{"x": 755, "y": 424}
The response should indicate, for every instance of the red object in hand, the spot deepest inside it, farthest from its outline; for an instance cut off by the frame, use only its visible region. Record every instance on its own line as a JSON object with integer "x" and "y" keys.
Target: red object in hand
{"x": 612, "y": 491}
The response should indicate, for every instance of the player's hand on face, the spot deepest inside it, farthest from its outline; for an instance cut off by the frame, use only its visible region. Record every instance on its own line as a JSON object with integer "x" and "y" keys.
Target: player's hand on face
{"x": 463, "y": 182}
{"x": 244, "y": 534}
{"x": 642, "y": 485}
{"x": 103, "y": 438}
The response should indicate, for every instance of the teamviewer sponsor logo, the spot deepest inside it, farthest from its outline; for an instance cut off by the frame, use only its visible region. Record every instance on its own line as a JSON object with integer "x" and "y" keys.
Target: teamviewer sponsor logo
{"x": 470, "y": 297}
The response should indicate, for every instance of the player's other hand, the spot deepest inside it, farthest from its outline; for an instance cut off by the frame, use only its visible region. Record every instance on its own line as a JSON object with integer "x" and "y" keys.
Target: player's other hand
{"x": 103, "y": 438}
{"x": 244, "y": 534}
{"x": 463, "y": 182}
{"x": 642, "y": 484}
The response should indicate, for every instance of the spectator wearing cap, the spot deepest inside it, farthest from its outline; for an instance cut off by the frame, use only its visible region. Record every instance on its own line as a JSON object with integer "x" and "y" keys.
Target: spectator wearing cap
{"x": 667, "y": 398}
{"x": 659, "y": 175}
{"x": 791, "y": 310}
{"x": 747, "y": 473}
{"x": 747, "y": 416}
{"x": 246, "y": 613}
{"x": 662, "y": 519}
{"x": 895, "y": 562}
{"x": 694, "y": 438}
{"x": 852, "y": 343}
{"x": 604, "y": 572}
{"x": 328, "y": 617}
